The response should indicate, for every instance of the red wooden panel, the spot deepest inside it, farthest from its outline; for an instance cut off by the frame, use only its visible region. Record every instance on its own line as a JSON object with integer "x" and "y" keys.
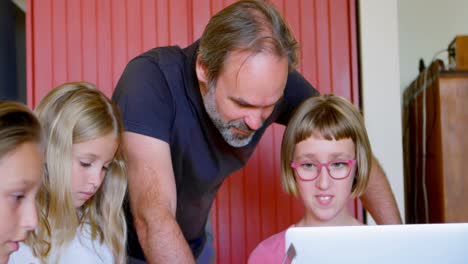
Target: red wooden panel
{"x": 163, "y": 23}
{"x": 74, "y": 40}
{"x": 149, "y": 22}
{"x": 179, "y": 31}
{"x": 69, "y": 40}
{"x": 42, "y": 53}
{"x": 267, "y": 186}
{"x": 201, "y": 12}
{"x": 319, "y": 36}
{"x": 284, "y": 210}
{"x": 89, "y": 38}
{"x": 29, "y": 56}
{"x": 323, "y": 46}
{"x": 252, "y": 218}
{"x": 223, "y": 223}
{"x": 353, "y": 45}
{"x": 119, "y": 38}
{"x": 134, "y": 32}
{"x": 216, "y": 5}
{"x": 309, "y": 48}
{"x": 237, "y": 226}
{"x": 280, "y": 5}
{"x": 59, "y": 42}
{"x": 292, "y": 12}
{"x": 104, "y": 59}
{"x": 341, "y": 53}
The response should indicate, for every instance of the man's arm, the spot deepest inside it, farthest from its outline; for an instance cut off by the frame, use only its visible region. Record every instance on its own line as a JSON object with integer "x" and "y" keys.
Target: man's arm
{"x": 153, "y": 200}
{"x": 379, "y": 199}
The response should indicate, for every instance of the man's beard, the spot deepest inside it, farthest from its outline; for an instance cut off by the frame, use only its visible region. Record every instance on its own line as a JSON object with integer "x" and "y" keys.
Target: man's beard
{"x": 234, "y": 139}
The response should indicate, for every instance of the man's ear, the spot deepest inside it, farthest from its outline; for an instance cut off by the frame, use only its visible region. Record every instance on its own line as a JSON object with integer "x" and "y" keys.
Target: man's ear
{"x": 201, "y": 71}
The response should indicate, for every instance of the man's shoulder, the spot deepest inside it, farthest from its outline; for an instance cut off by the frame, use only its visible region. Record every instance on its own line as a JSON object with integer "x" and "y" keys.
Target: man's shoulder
{"x": 296, "y": 81}
{"x": 162, "y": 66}
{"x": 163, "y": 56}
{"x": 170, "y": 55}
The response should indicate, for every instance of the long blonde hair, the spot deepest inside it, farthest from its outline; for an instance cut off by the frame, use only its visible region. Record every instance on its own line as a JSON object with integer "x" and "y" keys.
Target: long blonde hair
{"x": 74, "y": 113}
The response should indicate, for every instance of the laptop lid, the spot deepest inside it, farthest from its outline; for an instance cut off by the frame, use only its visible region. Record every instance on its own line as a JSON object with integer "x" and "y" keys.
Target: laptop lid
{"x": 421, "y": 243}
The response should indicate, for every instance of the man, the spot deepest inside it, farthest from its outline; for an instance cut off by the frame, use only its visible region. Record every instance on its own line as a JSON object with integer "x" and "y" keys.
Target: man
{"x": 193, "y": 116}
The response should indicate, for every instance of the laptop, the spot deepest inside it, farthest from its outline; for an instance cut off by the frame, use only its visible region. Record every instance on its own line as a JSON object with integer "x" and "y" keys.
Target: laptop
{"x": 418, "y": 243}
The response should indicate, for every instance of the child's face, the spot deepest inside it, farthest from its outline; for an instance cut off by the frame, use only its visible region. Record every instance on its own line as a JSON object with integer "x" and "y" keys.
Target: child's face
{"x": 324, "y": 198}
{"x": 91, "y": 160}
{"x": 20, "y": 179}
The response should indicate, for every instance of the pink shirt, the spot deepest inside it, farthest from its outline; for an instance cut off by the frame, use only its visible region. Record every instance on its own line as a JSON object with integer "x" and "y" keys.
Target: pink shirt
{"x": 270, "y": 250}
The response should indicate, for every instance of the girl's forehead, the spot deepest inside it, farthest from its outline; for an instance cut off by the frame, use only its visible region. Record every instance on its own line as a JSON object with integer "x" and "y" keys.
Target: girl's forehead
{"x": 12, "y": 169}
{"x": 314, "y": 145}
{"x": 324, "y": 136}
{"x": 103, "y": 147}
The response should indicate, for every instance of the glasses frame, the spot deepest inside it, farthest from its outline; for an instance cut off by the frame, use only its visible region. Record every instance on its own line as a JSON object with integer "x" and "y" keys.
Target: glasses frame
{"x": 295, "y": 164}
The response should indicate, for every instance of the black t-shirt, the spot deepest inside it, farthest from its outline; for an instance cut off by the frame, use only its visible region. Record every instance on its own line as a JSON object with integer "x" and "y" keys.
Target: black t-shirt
{"x": 159, "y": 96}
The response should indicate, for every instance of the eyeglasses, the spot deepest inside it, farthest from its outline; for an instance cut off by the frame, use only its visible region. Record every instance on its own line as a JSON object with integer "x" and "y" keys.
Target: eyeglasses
{"x": 310, "y": 170}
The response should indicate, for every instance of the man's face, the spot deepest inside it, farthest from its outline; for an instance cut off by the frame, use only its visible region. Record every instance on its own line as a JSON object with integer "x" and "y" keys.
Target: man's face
{"x": 247, "y": 90}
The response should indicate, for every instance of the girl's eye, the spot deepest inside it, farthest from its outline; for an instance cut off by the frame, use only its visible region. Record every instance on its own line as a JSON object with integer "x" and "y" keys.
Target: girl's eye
{"x": 17, "y": 197}
{"x": 308, "y": 165}
{"x": 85, "y": 164}
{"x": 107, "y": 166}
{"x": 339, "y": 165}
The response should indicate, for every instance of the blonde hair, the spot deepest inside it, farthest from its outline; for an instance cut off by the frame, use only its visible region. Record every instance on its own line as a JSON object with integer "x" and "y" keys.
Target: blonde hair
{"x": 18, "y": 125}
{"x": 332, "y": 118}
{"x": 74, "y": 113}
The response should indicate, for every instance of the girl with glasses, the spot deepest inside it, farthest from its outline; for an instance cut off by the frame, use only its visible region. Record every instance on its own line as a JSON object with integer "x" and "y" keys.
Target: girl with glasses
{"x": 325, "y": 160}
{"x": 21, "y": 165}
{"x": 80, "y": 202}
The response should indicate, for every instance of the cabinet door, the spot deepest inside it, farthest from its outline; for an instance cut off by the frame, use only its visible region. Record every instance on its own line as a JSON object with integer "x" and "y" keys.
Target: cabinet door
{"x": 70, "y": 40}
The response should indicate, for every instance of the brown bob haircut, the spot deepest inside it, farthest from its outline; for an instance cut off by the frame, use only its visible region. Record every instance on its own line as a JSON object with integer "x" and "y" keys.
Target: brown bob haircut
{"x": 327, "y": 117}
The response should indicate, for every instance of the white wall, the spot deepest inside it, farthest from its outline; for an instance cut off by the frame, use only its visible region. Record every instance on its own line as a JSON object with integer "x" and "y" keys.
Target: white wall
{"x": 380, "y": 75}
{"x": 427, "y": 26}
{"x": 394, "y": 35}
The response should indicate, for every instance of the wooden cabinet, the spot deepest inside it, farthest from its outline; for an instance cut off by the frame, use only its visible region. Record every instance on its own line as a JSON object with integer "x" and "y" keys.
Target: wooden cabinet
{"x": 435, "y": 143}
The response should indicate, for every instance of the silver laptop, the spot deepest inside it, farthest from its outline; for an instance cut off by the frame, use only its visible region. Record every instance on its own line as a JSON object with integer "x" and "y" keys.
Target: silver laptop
{"x": 421, "y": 243}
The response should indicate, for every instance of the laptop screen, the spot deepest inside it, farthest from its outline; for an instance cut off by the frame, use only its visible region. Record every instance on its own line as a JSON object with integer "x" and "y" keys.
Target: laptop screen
{"x": 420, "y": 243}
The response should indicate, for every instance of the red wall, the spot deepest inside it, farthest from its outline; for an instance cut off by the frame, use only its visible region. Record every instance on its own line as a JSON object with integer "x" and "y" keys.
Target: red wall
{"x": 92, "y": 40}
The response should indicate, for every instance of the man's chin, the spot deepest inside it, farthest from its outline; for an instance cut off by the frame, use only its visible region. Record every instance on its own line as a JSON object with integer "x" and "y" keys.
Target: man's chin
{"x": 238, "y": 140}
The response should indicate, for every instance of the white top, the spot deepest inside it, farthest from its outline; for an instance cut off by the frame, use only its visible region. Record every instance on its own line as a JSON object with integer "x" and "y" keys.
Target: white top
{"x": 80, "y": 250}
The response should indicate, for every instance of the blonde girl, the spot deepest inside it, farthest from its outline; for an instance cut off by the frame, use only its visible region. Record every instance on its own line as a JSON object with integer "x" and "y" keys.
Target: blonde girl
{"x": 80, "y": 203}
{"x": 21, "y": 165}
{"x": 325, "y": 161}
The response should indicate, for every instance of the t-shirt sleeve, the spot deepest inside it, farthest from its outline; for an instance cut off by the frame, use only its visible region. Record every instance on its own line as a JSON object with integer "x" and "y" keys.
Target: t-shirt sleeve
{"x": 297, "y": 90}
{"x": 144, "y": 99}
{"x": 270, "y": 250}
{"x": 261, "y": 254}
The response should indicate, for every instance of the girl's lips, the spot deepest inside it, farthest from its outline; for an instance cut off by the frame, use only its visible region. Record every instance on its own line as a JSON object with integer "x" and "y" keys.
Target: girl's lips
{"x": 13, "y": 245}
{"x": 324, "y": 200}
{"x": 86, "y": 195}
